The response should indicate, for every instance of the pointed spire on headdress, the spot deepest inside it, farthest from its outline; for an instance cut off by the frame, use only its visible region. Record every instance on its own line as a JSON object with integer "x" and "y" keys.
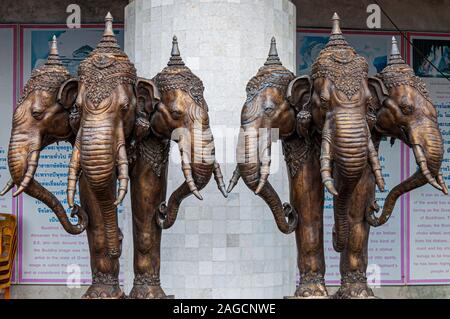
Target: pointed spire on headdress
{"x": 108, "y": 25}
{"x": 395, "y": 57}
{"x": 109, "y": 39}
{"x": 175, "y": 58}
{"x": 53, "y": 56}
{"x": 336, "y": 27}
{"x": 336, "y": 37}
{"x": 273, "y": 58}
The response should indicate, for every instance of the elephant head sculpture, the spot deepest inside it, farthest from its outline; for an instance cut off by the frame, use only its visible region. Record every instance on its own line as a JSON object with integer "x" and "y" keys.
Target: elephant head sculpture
{"x": 107, "y": 98}
{"x": 41, "y": 118}
{"x": 182, "y": 115}
{"x": 337, "y": 107}
{"x": 403, "y": 110}
{"x": 265, "y": 109}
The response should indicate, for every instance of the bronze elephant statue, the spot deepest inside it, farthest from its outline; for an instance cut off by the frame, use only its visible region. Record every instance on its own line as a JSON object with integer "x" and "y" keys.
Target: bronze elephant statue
{"x": 120, "y": 127}
{"x": 180, "y": 114}
{"x": 331, "y": 124}
{"x": 43, "y": 103}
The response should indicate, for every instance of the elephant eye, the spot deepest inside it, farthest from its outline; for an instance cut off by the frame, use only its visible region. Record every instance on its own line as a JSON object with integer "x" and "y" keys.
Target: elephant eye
{"x": 323, "y": 99}
{"x": 406, "y": 108}
{"x": 269, "y": 109}
{"x": 75, "y": 109}
{"x": 324, "y": 102}
{"x": 176, "y": 114}
{"x": 37, "y": 114}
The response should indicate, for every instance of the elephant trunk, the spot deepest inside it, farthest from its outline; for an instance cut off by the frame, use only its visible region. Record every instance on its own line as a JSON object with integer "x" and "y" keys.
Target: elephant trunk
{"x": 254, "y": 174}
{"x": 347, "y": 146}
{"x": 428, "y": 151}
{"x": 23, "y": 160}
{"x": 99, "y": 148}
{"x": 198, "y": 163}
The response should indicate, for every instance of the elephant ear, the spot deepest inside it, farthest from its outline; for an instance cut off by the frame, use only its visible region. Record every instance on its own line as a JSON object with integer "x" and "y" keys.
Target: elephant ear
{"x": 67, "y": 96}
{"x": 67, "y": 93}
{"x": 298, "y": 94}
{"x": 376, "y": 85}
{"x": 148, "y": 95}
{"x": 299, "y": 91}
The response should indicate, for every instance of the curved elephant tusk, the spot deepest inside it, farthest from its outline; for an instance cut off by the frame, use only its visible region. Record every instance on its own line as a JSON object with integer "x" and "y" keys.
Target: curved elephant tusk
{"x": 122, "y": 165}
{"x": 74, "y": 172}
{"x": 422, "y": 162}
{"x": 7, "y": 188}
{"x": 441, "y": 182}
{"x": 219, "y": 179}
{"x": 121, "y": 195}
{"x": 187, "y": 170}
{"x": 325, "y": 159}
{"x": 376, "y": 166}
{"x": 265, "y": 163}
{"x": 190, "y": 182}
{"x": 329, "y": 185}
{"x": 265, "y": 171}
{"x": 234, "y": 180}
{"x": 29, "y": 175}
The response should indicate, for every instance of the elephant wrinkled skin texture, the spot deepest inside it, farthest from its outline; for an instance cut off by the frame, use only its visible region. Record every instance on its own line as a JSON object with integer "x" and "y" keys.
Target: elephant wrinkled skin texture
{"x": 330, "y": 134}
{"x": 120, "y": 127}
{"x": 43, "y": 103}
{"x": 180, "y": 114}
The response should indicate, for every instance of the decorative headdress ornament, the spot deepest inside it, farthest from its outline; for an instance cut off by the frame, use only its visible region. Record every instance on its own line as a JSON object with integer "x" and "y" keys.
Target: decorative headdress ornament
{"x": 106, "y": 67}
{"x": 176, "y": 75}
{"x": 339, "y": 63}
{"x": 397, "y": 72}
{"x": 47, "y": 77}
{"x": 271, "y": 74}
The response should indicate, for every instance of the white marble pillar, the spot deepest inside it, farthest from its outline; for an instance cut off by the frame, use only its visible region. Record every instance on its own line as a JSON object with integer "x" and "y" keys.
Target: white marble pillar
{"x": 220, "y": 248}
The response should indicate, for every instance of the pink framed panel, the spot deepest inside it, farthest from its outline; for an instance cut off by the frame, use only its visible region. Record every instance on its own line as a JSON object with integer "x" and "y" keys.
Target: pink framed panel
{"x": 333, "y": 258}
{"x": 27, "y": 277}
{"x": 417, "y": 254}
{"x": 13, "y": 46}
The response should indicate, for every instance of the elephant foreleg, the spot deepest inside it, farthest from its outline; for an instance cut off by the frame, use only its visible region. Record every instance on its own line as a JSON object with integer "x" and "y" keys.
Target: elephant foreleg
{"x": 307, "y": 198}
{"x": 105, "y": 270}
{"x": 354, "y": 258}
{"x": 148, "y": 190}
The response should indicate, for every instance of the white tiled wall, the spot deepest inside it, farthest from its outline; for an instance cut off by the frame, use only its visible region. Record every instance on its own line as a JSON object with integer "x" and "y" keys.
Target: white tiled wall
{"x": 219, "y": 247}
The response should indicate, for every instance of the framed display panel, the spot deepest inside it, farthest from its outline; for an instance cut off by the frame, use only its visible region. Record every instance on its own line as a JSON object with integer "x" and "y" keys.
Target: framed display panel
{"x": 427, "y": 209}
{"x": 386, "y": 243}
{"x": 8, "y": 97}
{"x": 8, "y": 88}
{"x": 47, "y": 254}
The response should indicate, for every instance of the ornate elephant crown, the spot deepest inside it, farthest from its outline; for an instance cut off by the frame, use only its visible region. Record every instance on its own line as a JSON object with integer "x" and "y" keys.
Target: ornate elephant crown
{"x": 176, "y": 75}
{"x": 272, "y": 74}
{"x": 397, "y": 73}
{"x": 47, "y": 77}
{"x": 106, "y": 67}
{"x": 340, "y": 63}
